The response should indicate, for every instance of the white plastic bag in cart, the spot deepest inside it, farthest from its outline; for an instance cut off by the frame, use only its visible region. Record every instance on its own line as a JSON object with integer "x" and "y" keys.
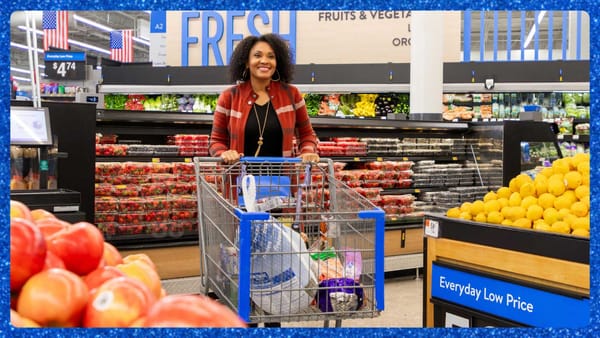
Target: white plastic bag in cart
{"x": 280, "y": 264}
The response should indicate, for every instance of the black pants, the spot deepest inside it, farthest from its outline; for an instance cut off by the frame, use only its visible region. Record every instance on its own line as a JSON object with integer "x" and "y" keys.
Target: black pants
{"x": 266, "y": 325}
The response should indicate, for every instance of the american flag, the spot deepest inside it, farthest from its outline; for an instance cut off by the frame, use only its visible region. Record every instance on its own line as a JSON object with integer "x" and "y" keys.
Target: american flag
{"x": 56, "y": 29}
{"x": 121, "y": 45}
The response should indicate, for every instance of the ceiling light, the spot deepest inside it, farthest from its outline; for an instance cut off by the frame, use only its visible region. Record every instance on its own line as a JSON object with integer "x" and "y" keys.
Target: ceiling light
{"x": 105, "y": 28}
{"x": 71, "y": 41}
{"x": 18, "y": 45}
{"x": 536, "y": 23}
{"x": 21, "y": 78}
{"x": 24, "y": 71}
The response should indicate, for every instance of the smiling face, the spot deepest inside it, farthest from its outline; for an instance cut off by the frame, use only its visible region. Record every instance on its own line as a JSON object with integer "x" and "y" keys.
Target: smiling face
{"x": 261, "y": 61}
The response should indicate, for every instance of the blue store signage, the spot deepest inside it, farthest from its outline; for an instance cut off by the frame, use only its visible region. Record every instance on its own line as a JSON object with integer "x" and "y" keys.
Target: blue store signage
{"x": 507, "y": 300}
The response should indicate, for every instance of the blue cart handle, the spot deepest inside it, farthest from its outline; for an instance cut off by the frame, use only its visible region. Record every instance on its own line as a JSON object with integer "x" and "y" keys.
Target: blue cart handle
{"x": 268, "y": 159}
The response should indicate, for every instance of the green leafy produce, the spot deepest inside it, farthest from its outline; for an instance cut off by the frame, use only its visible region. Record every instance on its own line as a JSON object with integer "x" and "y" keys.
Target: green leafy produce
{"x": 312, "y": 102}
{"x": 115, "y": 101}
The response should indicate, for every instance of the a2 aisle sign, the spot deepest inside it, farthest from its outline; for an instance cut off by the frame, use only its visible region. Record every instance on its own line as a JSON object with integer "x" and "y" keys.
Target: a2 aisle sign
{"x": 521, "y": 304}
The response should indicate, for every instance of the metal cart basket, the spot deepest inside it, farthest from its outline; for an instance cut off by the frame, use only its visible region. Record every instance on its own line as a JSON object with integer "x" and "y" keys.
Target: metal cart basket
{"x": 284, "y": 241}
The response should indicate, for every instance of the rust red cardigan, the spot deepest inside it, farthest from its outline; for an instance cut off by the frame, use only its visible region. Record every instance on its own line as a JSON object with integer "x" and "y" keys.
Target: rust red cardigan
{"x": 234, "y": 105}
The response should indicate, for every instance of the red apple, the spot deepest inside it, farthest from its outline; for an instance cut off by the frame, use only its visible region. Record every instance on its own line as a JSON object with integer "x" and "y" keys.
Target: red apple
{"x": 119, "y": 302}
{"x": 20, "y": 210}
{"x": 53, "y": 261}
{"x": 40, "y": 214}
{"x": 49, "y": 226}
{"x": 27, "y": 251}
{"x": 54, "y": 298}
{"x": 143, "y": 272}
{"x": 80, "y": 246}
{"x": 191, "y": 311}
{"x": 97, "y": 277}
{"x": 111, "y": 255}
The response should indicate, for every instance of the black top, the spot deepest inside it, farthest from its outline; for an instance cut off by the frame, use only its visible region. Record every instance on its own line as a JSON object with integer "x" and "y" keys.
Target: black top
{"x": 272, "y": 135}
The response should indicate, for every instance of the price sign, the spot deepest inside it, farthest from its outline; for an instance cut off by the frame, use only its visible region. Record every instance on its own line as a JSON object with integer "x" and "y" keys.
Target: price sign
{"x": 65, "y": 65}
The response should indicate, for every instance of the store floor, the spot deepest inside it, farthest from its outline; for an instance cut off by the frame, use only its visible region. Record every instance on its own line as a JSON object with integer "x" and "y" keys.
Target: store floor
{"x": 403, "y": 306}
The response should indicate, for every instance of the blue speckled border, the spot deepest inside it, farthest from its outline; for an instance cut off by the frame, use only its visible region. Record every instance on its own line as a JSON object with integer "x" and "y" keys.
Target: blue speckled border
{"x": 9, "y": 6}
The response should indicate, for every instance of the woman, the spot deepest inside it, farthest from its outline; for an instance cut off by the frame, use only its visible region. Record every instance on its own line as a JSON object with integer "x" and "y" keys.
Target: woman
{"x": 261, "y": 114}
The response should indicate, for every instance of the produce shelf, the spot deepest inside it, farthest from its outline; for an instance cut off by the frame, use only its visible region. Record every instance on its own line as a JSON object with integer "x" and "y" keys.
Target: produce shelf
{"x": 548, "y": 244}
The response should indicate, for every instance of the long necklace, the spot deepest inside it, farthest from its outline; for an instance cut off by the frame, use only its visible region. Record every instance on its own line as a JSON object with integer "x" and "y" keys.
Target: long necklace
{"x": 261, "y": 130}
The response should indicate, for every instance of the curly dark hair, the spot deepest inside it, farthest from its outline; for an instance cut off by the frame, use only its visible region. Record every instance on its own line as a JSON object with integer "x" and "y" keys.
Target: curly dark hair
{"x": 241, "y": 53}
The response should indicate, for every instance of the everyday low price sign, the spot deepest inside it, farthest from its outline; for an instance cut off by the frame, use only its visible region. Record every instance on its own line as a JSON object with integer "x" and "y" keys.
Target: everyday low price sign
{"x": 507, "y": 300}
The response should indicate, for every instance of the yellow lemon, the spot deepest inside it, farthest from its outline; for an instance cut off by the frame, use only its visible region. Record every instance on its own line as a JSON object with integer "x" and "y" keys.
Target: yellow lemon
{"x": 580, "y": 232}
{"x": 465, "y": 215}
{"x": 586, "y": 200}
{"x": 518, "y": 212}
{"x": 581, "y": 223}
{"x": 578, "y": 158}
{"x": 503, "y": 202}
{"x": 495, "y": 217}
{"x": 570, "y": 194}
{"x": 513, "y": 185}
{"x": 453, "y": 212}
{"x": 584, "y": 168}
{"x": 551, "y": 216}
{"x": 477, "y": 207}
{"x": 560, "y": 166}
{"x": 527, "y": 189}
{"x": 515, "y": 199}
{"x": 492, "y": 205}
{"x": 480, "y": 217}
{"x": 503, "y": 192}
{"x": 561, "y": 227}
{"x": 466, "y": 207}
{"x": 556, "y": 185}
{"x": 562, "y": 202}
{"x": 507, "y": 212}
{"x": 562, "y": 213}
{"x": 582, "y": 191}
{"x": 546, "y": 200}
{"x": 579, "y": 209}
{"x": 522, "y": 223}
{"x": 585, "y": 179}
{"x": 573, "y": 179}
{"x": 543, "y": 226}
{"x": 506, "y": 221}
{"x": 534, "y": 212}
{"x": 541, "y": 184}
{"x": 528, "y": 201}
{"x": 489, "y": 196}
{"x": 547, "y": 171}
{"x": 569, "y": 218}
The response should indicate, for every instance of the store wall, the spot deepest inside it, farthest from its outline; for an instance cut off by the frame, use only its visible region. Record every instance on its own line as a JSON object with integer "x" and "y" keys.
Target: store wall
{"x": 197, "y": 38}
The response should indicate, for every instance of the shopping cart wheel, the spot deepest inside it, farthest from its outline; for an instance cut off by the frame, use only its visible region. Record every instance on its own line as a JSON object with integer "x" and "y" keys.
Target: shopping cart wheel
{"x": 338, "y": 323}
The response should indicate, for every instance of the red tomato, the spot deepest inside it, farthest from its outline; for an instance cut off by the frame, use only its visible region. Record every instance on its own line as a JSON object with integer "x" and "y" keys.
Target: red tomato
{"x": 80, "y": 246}
{"x": 143, "y": 272}
{"x": 19, "y": 210}
{"x": 97, "y": 277}
{"x": 53, "y": 261}
{"x": 54, "y": 298}
{"x": 118, "y": 302}
{"x": 27, "y": 251}
{"x": 111, "y": 255}
{"x": 49, "y": 226}
{"x": 191, "y": 311}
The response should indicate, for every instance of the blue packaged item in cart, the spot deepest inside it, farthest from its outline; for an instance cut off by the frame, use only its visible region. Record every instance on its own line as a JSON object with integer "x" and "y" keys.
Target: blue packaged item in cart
{"x": 339, "y": 295}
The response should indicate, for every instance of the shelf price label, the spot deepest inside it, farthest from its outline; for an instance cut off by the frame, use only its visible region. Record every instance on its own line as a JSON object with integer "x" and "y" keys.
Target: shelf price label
{"x": 432, "y": 228}
{"x": 65, "y": 65}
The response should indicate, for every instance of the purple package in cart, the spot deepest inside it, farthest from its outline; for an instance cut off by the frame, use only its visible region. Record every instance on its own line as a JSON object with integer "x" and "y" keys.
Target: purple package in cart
{"x": 339, "y": 294}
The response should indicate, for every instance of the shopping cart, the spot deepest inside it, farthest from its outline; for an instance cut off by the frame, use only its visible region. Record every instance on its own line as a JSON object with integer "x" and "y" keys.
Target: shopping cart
{"x": 285, "y": 241}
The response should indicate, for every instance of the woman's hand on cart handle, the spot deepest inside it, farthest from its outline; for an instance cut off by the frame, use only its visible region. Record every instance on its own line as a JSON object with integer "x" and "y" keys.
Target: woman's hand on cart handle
{"x": 310, "y": 157}
{"x": 231, "y": 156}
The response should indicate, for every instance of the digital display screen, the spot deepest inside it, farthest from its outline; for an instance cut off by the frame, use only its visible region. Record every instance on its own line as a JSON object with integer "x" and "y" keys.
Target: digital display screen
{"x": 30, "y": 126}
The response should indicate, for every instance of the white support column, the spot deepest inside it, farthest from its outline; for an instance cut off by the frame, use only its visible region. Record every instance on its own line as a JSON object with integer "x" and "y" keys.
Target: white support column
{"x": 426, "y": 65}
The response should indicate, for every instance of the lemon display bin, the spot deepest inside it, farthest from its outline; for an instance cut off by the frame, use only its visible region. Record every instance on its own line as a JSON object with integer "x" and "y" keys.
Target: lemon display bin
{"x": 479, "y": 274}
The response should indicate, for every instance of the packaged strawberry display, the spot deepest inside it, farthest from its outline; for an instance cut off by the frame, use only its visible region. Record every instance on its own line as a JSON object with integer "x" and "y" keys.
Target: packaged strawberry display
{"x": 106, "y": 204}
{"x": 161, "y": 178}
{"x": 136, "y": 168}
{"x": 103, "y": 189}
{"x": 108, "y": 168}
{"x": 126, "y": 190}
{"x": 180, "y": 188}
{"x": 157, "y": 203}
{"x": 161, "y": 168}
{"x": 153, "y": 189}
{"x": 157, "y": 227}
{"x": 108, "y": 229}
{"x": 406, "y": 199}
{"x": 131, "y": 217}
{"x": 183, "y": 202}
{"x": 132, "y": 204}
{"x": 184, "y": 214}
{"x": 156, "y": 216}
{"x": 183, "y": 168}
{"x": 105, "y": 217}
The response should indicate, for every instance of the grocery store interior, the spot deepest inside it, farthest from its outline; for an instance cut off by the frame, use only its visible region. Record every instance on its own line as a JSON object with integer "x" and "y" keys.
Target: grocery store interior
{"x": 447, "y": 160}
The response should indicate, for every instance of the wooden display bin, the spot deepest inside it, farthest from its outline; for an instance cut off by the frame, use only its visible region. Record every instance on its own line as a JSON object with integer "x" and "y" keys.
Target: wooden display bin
{"x": 549, "y": 271}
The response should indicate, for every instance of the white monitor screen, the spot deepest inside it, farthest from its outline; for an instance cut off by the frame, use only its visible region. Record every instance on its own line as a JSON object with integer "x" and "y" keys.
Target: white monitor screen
{"x": 30, "y": 126}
